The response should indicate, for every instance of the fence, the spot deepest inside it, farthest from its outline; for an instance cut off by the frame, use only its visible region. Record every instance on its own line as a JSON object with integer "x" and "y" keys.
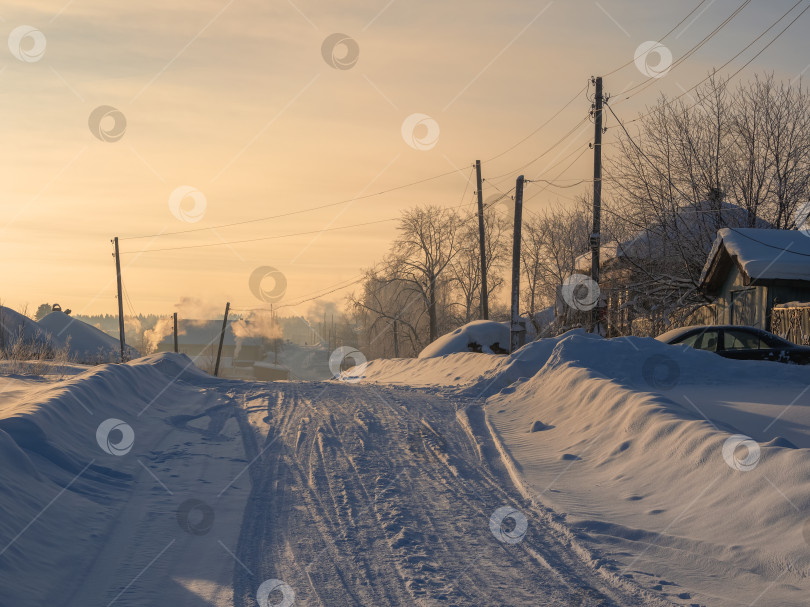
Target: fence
{"x": 792, "y": 323}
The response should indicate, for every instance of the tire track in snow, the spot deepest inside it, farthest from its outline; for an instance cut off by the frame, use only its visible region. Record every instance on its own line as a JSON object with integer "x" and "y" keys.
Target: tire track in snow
{"x": 378, "y": 496}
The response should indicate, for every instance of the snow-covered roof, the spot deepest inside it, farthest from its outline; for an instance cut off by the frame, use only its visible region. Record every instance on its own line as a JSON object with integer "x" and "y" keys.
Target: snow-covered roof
{"x": 87, "y": 344}
{"x": 15, "y": 326}
{"x": 762, "y": 256}
{"x": 695, "y": 222}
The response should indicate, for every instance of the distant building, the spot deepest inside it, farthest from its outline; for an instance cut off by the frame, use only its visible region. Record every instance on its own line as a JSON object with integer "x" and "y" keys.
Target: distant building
{"x": 199, "y": 339}
{"x": 751, "y": 271}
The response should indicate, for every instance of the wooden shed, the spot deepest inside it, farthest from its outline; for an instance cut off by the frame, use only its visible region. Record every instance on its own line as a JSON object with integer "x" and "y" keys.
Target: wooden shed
{"x": 751, "y": 270}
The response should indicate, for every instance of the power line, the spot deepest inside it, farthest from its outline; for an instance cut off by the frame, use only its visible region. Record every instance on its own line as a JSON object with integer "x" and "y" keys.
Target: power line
{"x": 585, "y": 89}
{"x": 298, "y": 212}
{"x": 746, "y": 64}
{"x": 661, "y": 39}
{"x": 274, "y": 237}
{"x": 647, "y": 158}
{"x": 317, "y": 294}
{"x": 642, "y": 86}
{"x": 277, "y": 236}
{"x": 298, "y": 303}
{"x": 539, "y": 128}
{"x": 558, "y": 142}
{"x": 768, "y": 245}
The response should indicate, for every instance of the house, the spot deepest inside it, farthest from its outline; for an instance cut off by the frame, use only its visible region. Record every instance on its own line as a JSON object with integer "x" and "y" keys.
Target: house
{"x": 750, "y": 271}
{"x": 199, "y": 339}
{"x": 641, "y": 295}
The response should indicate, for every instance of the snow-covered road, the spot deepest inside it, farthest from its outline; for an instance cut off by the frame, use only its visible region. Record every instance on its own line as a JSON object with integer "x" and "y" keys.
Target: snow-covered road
{"x": 365, "y": 495}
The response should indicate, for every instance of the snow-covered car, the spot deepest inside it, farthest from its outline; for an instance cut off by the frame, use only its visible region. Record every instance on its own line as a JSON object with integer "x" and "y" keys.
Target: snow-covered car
{"x": 739, "y": 342}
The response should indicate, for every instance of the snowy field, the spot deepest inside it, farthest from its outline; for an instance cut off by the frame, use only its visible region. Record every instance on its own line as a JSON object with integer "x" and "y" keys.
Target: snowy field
{"x": 577, "y": 471}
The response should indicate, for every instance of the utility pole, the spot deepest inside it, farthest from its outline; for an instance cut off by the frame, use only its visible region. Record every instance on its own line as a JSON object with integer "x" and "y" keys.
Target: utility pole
{"x": 517, "y": 331}
{"x": 175, "y": 333}
{"x": 222, "y": 337}
{"x": 120, "y": 298}
{"x": 595, "y": 239}
{"x": 482, "y": 240}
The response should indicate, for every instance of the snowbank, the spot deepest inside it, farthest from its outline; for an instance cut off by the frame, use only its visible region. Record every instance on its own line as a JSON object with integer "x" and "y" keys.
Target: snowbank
{"x": 87, "y": 344}
{"x": 470, "y": 373}
{"x": 486, "y": 336}
{"x": 633, "y": 441}
{"x": 61, "y": 493}
{"x": 686, "y": 468}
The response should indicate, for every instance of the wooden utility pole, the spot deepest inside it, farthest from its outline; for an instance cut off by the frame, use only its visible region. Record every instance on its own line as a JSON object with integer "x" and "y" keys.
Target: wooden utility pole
{"x": 482, "y": 241}
{"x": 175, "y": 332}
{"x": 596, "y": 236}
{"x": 517, "y": 331}
{"x": 120, "y": 298}
{"x": 222, "y": 337}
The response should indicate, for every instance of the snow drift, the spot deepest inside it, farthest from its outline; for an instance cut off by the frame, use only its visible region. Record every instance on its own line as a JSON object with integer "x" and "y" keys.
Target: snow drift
{"x": 485, "y": 336}
{"x": 54, "y": 468}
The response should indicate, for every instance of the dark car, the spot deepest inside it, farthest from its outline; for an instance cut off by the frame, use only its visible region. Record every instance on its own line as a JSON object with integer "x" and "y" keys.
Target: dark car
{"x": 742, "y": 343}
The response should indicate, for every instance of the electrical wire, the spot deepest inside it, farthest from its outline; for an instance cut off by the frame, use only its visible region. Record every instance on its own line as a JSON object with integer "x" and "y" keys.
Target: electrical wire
{"x": 318, "y": 293}
{"x": 746, "y": 64}
{"x": 274, "y": 237}
{"x": 585, "y": 89}
{"x": 539, "y": 128}
{"x": 554, "y": 145}
{"x": 652, "y": 79}
{"x": 289, "y": 213}
{"x": 640, "y": 151}
{"x": 660, "y": 40}
{"x": 767, "y": 244}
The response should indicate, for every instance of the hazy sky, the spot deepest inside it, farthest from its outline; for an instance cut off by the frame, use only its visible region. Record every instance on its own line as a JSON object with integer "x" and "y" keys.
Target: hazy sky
{"x": 237, "y": 100}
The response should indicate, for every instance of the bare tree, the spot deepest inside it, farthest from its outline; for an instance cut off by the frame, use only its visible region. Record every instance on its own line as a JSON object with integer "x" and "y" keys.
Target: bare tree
{"x": 465, "y": 267}
{"x": 724, "y": 161}
{"x": 552, "y": 241}
{"x": 422, "y": 254}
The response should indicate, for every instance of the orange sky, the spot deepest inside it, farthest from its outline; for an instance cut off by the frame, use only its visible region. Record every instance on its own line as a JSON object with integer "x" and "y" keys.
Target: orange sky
{"x": 237, "y": 100}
